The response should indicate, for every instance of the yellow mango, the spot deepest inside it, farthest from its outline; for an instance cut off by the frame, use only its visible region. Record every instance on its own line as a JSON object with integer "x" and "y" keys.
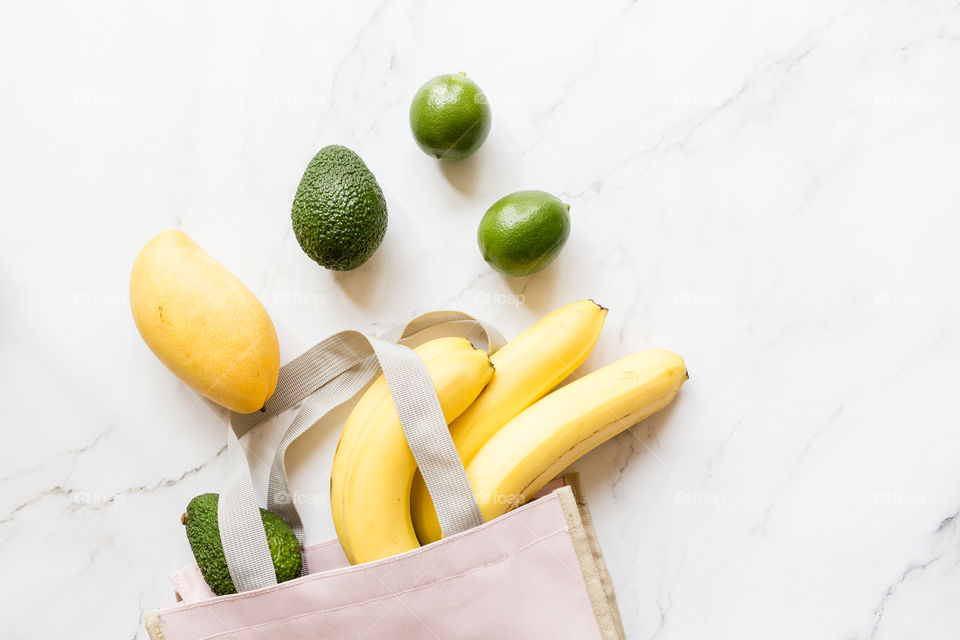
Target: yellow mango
{"x": 203, "y": 324}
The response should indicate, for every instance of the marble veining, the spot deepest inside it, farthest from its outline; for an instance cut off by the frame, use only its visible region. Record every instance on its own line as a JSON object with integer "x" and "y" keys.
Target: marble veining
{"x": 767, "y": 188}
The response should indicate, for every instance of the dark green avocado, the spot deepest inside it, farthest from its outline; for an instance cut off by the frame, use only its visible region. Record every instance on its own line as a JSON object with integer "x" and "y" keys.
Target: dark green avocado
{"x": 203, "y": 533}
{"x": 339, "y": 213}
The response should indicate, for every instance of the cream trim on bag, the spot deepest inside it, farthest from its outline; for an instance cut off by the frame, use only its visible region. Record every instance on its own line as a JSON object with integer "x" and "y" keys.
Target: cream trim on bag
{"x": 594, "y": 568}
{"x": 152, "y": 623}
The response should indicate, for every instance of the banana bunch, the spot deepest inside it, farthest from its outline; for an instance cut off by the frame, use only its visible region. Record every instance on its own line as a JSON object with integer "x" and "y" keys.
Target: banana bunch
{"x": 512, "y": 433}
{"x": 525, "y": 369}
{"x": 373, "y": 467}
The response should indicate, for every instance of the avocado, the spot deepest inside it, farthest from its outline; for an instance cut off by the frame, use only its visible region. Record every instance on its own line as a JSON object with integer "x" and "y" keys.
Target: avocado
{"x": 203, "y": 533}
{"x": 339, "y": 214}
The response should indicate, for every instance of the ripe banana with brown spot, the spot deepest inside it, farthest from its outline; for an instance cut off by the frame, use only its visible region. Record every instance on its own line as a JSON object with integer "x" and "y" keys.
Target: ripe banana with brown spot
{"x": 542, "y": 440}
{"x": 525, "y": 369}
{"x": 378, "y": 393}
{"x": 373, "y": 467}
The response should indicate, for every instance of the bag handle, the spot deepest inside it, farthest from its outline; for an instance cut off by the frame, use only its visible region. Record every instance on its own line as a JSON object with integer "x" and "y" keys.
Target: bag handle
{"x": 327, "y": 375}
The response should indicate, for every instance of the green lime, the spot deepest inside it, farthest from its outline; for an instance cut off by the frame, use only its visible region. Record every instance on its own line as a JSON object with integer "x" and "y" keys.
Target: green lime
{"x": 523, "y": 232}
{"x": 450, "y": 117}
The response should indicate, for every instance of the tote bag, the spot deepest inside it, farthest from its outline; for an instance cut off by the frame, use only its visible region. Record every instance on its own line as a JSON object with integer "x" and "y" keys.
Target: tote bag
{"x": 535, "y": 572}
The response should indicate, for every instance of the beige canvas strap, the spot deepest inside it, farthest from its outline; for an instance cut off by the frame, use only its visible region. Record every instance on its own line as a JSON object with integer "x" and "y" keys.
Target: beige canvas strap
{"x": 323, "y": 378}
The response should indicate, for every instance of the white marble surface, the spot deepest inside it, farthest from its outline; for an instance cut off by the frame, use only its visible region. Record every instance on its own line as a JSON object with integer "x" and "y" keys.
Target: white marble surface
{"x": 768, "y": 188}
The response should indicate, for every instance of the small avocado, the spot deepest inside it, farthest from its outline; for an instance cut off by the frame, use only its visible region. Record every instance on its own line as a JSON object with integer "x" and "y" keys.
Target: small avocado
{"x": 339, "y": 213}
{"x": 203, "y": 533}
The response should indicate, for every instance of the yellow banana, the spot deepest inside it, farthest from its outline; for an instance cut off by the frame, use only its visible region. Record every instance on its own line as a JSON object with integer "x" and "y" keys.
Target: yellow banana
{"x": 525, "y": 369}
{"x": 378, "y": 393}
{"x": 373, "y": 467}
{"x": 548, "y": 436}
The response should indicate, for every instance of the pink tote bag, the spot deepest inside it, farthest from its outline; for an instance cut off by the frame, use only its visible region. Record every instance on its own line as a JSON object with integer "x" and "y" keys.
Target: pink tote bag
{"x": 535, "y": 572}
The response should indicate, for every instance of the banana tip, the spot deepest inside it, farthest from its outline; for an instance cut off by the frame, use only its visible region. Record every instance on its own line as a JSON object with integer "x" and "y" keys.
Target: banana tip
{"x": 602, "y": 308}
